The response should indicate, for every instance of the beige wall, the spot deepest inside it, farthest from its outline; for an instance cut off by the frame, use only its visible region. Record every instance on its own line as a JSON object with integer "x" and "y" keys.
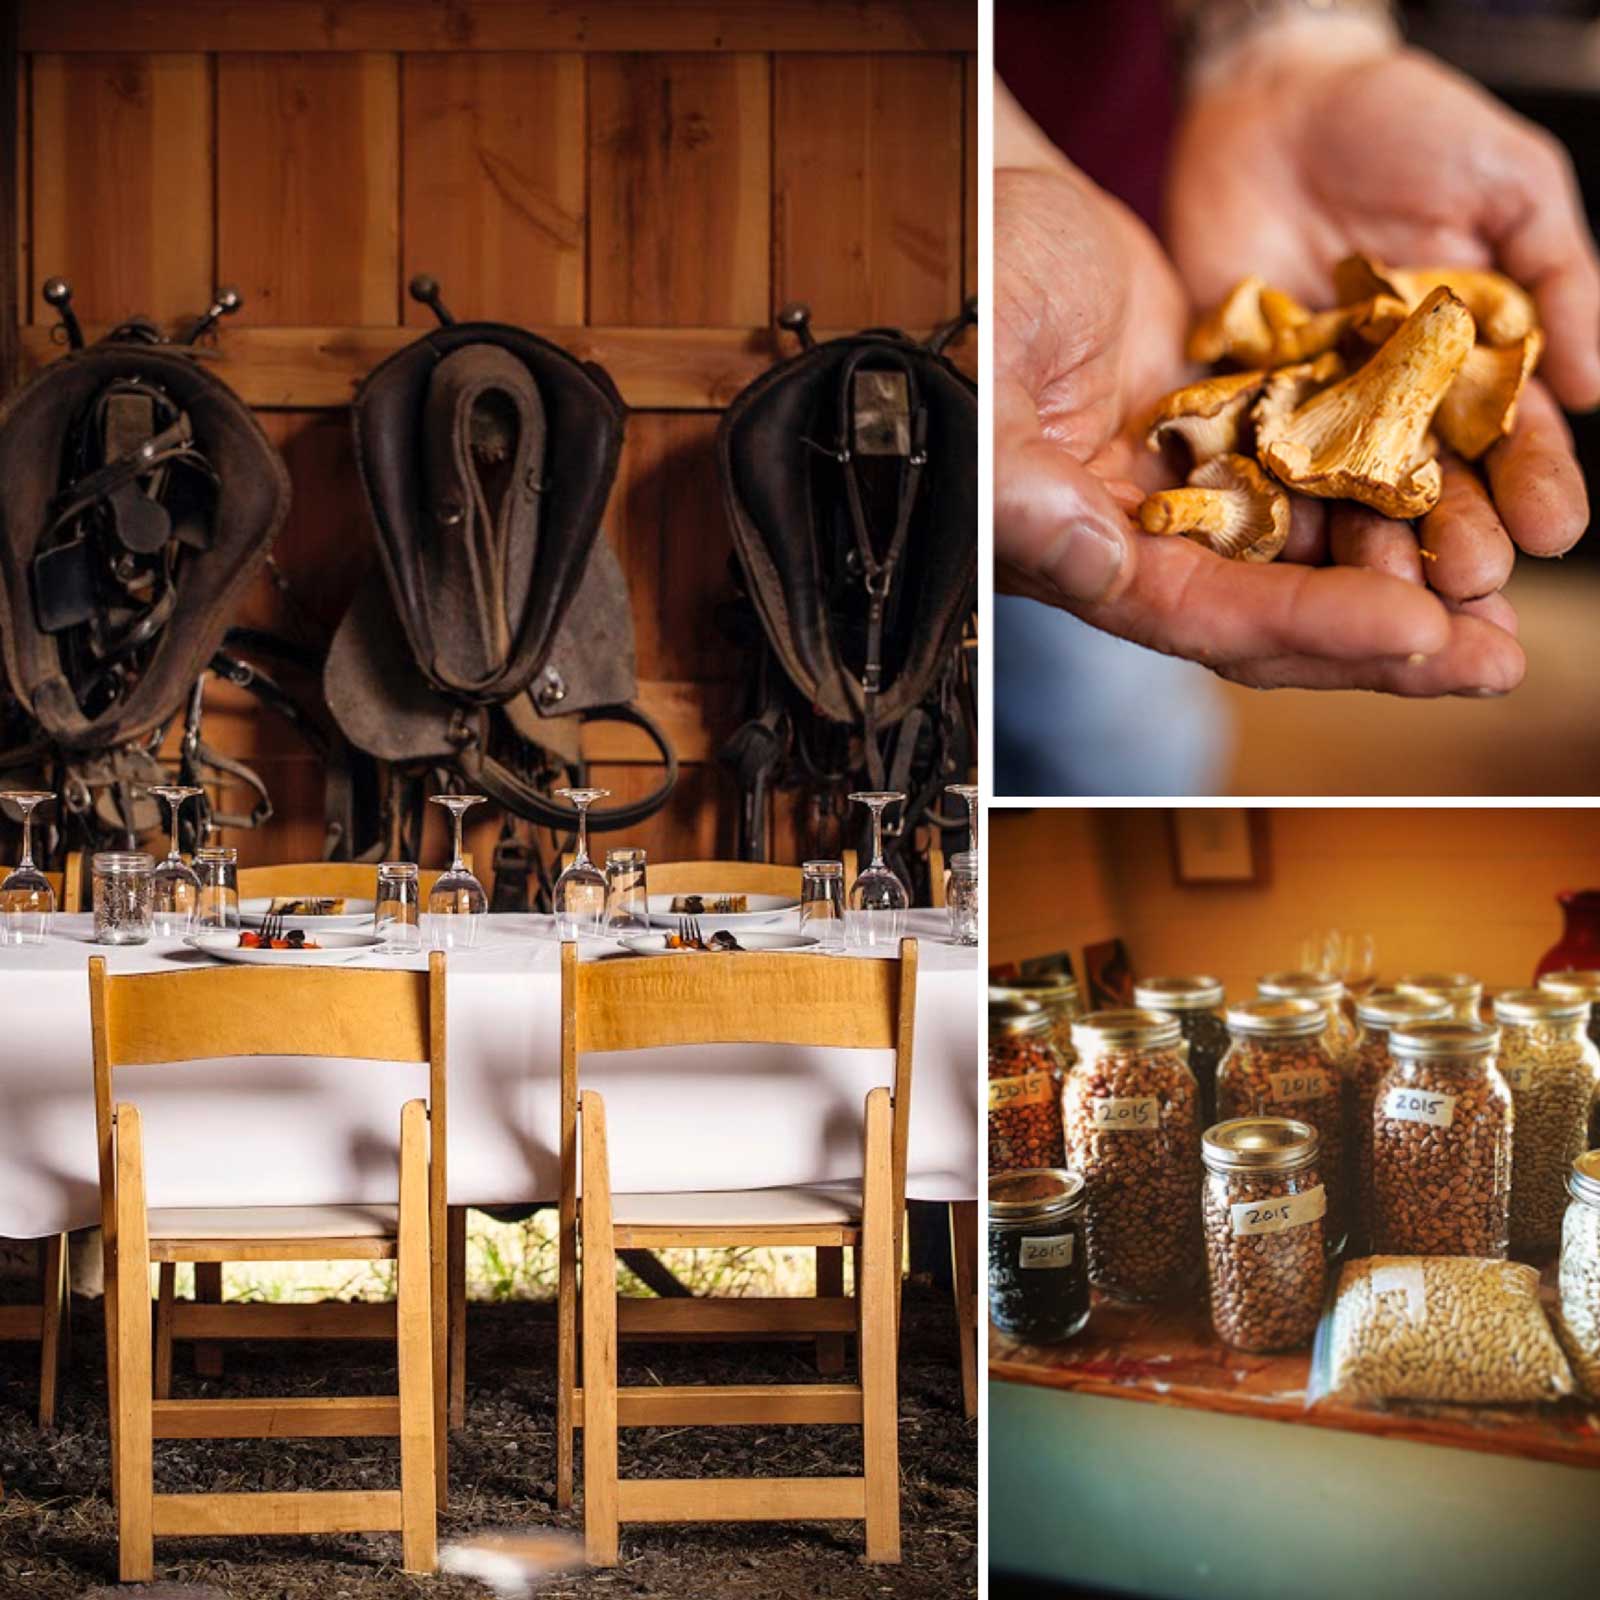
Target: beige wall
{"x": 1435, "y": 887}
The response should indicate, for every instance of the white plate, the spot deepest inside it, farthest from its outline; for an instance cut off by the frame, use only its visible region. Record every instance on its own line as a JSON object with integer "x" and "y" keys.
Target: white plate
{"x": 763, "y": 908}
{"x": 655, "y": 944}
{"x": 334, "y": 945}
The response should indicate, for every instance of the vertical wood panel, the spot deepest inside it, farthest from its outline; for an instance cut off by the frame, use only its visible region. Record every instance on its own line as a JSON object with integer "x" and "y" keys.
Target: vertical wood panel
{"x": 867, "y": 155}
{"x": 308, "y": 187}
{"x": 670, "y": 533}
{"x": 679, "y": 190}
{"x": 970, "y": 176}
{"x": 121, "y": 183}
{"x": 492, "y": 144}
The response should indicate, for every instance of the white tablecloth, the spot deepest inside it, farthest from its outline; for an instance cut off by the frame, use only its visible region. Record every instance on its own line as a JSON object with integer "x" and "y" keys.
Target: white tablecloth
{"x": 296, "y": 1131}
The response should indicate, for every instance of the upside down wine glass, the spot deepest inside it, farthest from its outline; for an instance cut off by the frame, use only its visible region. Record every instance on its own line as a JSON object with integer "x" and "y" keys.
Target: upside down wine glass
{"x": 456, "y": 903}
{"x": 876, "y": 918}
{"x": 27, "y": 901}
{"x": 969, "y": 793}
{"x": 580, "y": 891}
{"x": 174, "y": 886}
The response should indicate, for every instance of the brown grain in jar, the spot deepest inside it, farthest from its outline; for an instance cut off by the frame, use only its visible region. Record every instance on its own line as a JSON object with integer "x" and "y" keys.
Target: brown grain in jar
{"x": 1376, "y": 1014}
{"x": 1577, "y": 984}
{"x": 1279, "y": 1065}
{"x": 1132, "y": 1118}
{"x": 1550, "y": 1063}
{"x": 1441, "y": 1144}
{"x": 1057, "y": 993}
{"x": 1196, "y": 1003}
{"x": 1266, "y": 1252}
{"x": 1025, "y": 1080}
{"x": 1331, "y": 994}
{"x": 1459, "y": 990}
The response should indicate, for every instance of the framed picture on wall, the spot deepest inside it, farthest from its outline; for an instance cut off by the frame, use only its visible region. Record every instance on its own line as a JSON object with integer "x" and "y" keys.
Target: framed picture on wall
{"x": 1219, "y": 844}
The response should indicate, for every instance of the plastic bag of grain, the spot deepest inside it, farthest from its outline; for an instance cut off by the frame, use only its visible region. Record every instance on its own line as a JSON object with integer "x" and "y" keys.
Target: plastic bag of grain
{"x": 1444, "y": 1328}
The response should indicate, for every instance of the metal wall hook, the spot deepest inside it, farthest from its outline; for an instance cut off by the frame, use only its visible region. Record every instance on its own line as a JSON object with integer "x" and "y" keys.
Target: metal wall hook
{"x": 425, "y": 290}
{"x": 224, "y": 303}
{"x": 795, "y": 318}
{"x": 58, "y": 294}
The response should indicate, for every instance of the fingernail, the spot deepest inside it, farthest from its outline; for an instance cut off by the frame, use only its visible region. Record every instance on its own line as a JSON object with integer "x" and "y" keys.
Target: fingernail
{"x": 1415, "y": 659}
{"x": 1085, "y": 562}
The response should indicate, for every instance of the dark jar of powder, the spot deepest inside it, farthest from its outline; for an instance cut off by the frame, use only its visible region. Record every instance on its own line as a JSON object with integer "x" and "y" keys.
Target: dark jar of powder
{"x": 1038, "y": 1268}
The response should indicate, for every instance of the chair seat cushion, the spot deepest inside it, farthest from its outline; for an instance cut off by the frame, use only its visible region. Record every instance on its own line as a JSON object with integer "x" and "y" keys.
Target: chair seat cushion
{"x": 277, "y": 1222}
{"x": 740, "y": 1208}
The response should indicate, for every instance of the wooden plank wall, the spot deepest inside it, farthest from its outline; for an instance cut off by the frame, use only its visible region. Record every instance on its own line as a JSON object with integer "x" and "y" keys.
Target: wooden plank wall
{"x": 646, "y": 182}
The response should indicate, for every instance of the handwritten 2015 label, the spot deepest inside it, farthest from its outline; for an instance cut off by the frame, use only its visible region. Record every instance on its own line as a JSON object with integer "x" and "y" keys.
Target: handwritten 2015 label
{"x": 1127, "y": 1114}
{"x": 1279, "y": 1212}
{"x": 1420, "y": 1105}
{"x": 1031, "y": 1089}
{"x": 1308, "y": 1083}
{"x": 1055, "y": 1251}
{"x": 1519, "y": 1076}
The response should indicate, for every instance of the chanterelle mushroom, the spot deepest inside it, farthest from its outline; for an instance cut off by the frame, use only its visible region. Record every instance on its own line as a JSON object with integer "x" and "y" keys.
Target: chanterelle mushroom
{"x": 1481, "y": 405}
{"x": 1365, "y": 437}
{"x": 1208, "y": 416}
{"x": 1236, "y": 330}
{"x": 1503, "y": 312}
{"x": 1230, "y": 506}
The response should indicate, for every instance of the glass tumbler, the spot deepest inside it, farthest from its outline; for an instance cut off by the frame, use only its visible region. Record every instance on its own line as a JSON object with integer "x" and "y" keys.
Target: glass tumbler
{"x": 822, "y": 903}
{"x": 397, "y": 913}
{"x": 961, "y": 897}
{"x": 122, "y": 896}
{"x": 217, "y": 868}
{"x": 627, "y": 894}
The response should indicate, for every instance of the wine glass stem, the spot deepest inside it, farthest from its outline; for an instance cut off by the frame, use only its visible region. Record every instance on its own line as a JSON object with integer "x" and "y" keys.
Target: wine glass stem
{"x": 173, "y": 855}
{"x": 582, "y": 857}
{"x": 27, "y": 837}
{"x": 457, "y": 865}
{"x": 972, "y": 826}
{"x": 877, "y": 836}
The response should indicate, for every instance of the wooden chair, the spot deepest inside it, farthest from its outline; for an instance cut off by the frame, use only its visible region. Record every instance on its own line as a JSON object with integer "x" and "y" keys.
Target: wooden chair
{"x": 335, "y": 879}
{"x": 732, "y": 999}
{"x": 147, "y": 1018}
{"x": 67, "y": 884}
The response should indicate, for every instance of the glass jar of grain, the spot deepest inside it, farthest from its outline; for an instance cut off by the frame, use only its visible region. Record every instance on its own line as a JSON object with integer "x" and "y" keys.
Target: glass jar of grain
{"x": 1196, "y": 1004}
{"x": 1026, "y": 1075}
{"x": 1578, "y": 1313}
{"x": 1459, "y": 990}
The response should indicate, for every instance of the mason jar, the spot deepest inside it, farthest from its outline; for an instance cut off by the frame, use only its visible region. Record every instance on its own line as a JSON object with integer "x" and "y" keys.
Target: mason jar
{"x": 1442, "y": 1144}
{"x": 1279, "y": 1065}
{"x": 1038, "y": 1266}
{"x": 1057, "y": 992}
{"x": 1266, "y": 1250}
{"x": 123, "y": 883}
{"x": 1196, "y": 1004}
{"x": 1459, "y": 990}
{"x": 1578, "y": 1288}
{"x": 1329, "y": 992}
{"x": 1026, "y": 1075}
{"x": 1550, "y": 1063}
{"x": 1376, "y": 1014}
{"x": 1132, "y": 1118}
{"x": 1576, "y": 984}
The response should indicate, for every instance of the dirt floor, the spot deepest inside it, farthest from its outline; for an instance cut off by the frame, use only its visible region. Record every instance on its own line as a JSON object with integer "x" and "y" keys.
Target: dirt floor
{"x": 57, "y": 1534}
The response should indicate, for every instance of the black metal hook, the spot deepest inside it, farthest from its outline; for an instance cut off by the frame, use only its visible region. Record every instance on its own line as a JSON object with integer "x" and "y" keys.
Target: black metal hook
{"x": 425, "y": 290}
{"x": 58, "y": 293}
{"x": 224, "y": 303}
{"x": 795, "y": 318}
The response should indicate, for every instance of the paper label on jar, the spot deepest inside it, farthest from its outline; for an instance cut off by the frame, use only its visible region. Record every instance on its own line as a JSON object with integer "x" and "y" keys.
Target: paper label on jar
{"x": 1404, "y": 1279}
{"x": 1308, "y": 1083}
{"x": 1279, "y": 1212}
{"x": 1031, "y": 1089}
{"x": 1127, "y": 1114}
{"x": 1046, "y": 1253}
{"x": 1519, "y": 1076}
{"x": 1420, "y": 1105}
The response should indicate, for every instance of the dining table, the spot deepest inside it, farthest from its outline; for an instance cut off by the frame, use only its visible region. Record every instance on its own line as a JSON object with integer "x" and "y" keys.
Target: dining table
{"x": 300, "y": 1130}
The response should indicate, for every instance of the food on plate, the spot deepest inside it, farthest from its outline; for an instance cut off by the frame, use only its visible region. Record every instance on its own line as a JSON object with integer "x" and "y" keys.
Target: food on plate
{"x": 710, "y": 905}
{"x": 294, "y": 939}
{"x": 303, "y": 906}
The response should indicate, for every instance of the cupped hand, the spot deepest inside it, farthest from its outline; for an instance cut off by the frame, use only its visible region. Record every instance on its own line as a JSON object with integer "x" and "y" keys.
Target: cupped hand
{"x": 1287, "y": 161}
{"x": 1089, "y": 326}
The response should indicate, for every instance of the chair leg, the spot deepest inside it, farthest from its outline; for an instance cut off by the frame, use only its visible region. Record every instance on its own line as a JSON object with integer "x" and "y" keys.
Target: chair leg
{"x": 414, "y": 1330}
{"x": 566, "y": 1361}
{"x": 875, "y": 1298}
{"x": 133, "y": 1462}
{"x": 53, "y": 1327}
{"x": 167, "y": 1277}
{"x": 458, "y": 1316}
{"x": 599, "y": 1344}
{"x": 830, "y": 1282}
{"x": 208, "y": 1291}
{"x": 964, "y": 1276}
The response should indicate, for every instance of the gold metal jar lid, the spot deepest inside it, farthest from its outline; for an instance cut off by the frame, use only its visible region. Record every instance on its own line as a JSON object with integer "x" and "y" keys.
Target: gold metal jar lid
{"x": 1259, "y": 1144}
{"x": 1058, "y": 993}
{"x": 1523, "y": 1006}
{"x": 1432, "y": 1039}
{"x": 1033, "y": 1194}
{"x": 1178, "y": 994}
{"x": 1452, "y": 985}
{"x": 1149, "y": 1029}
{"x": 1283, "y": 1019}
{"x": 1394, "y": 1008}
{"x": 1583, "y": 1182}
{"x": 1017, "y": 1019}
{"x": 1574, "y": 984}
{"x": 1323, "y": 986}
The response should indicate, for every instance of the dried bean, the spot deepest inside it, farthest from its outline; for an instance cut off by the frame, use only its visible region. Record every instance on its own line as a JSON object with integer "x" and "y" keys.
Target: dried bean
{"x": 1025, "y": 1079}
{"x": 1266, "y": 1286}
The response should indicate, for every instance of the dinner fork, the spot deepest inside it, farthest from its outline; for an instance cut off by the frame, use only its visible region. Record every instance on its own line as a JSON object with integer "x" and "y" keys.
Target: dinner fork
{"x": 271, "y": 928}
{"x": 689, "y": 933}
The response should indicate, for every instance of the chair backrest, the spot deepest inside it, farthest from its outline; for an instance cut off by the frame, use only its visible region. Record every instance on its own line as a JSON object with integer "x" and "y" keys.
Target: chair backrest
{"x": 145, "y": 1018}
{"x": 745, "y": 997}
{"x": 728, "y": 877}
{"x": 67, "y": 885}
{"x": 334, "y": 879}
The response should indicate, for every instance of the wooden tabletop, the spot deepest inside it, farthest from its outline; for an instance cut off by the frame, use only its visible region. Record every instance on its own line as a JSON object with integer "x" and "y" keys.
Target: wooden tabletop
{"x": 1168, "y": 1355}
